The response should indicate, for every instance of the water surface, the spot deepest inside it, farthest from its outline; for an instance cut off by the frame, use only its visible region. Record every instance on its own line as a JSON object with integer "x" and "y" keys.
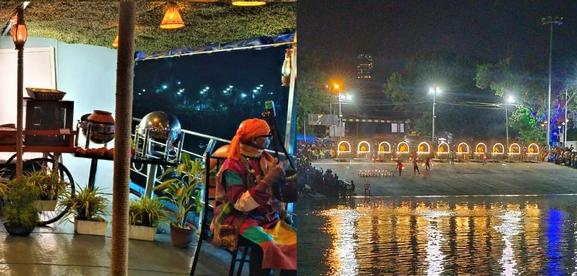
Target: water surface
{"x": 508, "y": 235}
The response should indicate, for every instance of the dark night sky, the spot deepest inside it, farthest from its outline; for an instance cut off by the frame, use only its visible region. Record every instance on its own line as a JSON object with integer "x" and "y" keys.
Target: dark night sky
{"x": 394, "y": 31}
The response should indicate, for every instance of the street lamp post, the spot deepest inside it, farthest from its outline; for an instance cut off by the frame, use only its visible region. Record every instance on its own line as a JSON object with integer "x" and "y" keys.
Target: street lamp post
{"x": 550, "y": 20}
{"x": 19, "y": 35}
{"x": 434, "y": 91}
{"x": 510, "y": 100}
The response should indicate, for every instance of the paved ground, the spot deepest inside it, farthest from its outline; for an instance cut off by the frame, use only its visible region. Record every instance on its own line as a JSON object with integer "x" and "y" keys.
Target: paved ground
{"x": 461, "y": 178}
{"x": 57, "y": 250}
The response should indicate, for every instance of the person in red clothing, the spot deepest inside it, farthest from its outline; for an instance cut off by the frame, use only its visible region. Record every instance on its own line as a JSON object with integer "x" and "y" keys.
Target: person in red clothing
{"x": 244, "y": 200}
{"x": 399, "y": 167}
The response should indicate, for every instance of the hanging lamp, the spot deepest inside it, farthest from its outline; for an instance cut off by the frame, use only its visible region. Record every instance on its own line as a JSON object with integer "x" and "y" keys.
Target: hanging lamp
{"x": 286, "y": 67}
{"x": 115, "y": 42}
{"x": 172, "y": 19}
{"x": 247, "y": 3}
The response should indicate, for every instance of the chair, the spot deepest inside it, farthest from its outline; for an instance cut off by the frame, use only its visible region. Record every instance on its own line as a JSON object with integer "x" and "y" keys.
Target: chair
{"x": 205, "y": 234}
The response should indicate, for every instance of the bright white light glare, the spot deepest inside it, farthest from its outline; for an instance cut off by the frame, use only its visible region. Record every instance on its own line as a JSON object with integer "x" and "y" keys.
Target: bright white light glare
{"x": 435, "y": 90}
{"x": 164, "y": 86}
{"x": 243, "y": 95}
{"x": 510, "y": 99}
{"x": 178, "y": 82}
{"x": 349, "y": 97}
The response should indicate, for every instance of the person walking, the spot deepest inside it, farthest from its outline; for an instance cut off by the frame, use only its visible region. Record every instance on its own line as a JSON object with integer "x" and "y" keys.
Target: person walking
{"x": 415, "y": 167}
{"x": 399, "y": 167}
{"x": 428, "y": 164}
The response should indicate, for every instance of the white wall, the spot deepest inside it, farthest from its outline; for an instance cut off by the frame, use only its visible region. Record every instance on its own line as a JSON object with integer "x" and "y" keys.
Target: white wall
{"x": 88, "y": 75}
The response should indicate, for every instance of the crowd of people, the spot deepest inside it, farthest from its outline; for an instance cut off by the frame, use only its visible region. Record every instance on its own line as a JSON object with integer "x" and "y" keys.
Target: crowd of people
{"x": 319, "y": 149}
{"x": 325, "y": 182}
{"x": 566, "y": 156}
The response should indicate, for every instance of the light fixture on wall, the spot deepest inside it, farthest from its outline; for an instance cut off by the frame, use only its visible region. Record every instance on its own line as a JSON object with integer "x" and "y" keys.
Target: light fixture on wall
{"x": 115, "y": 42}
{"x": 286, "y": 67}
{"x": 247, "y": 3}
{"x": 172, "y": 19}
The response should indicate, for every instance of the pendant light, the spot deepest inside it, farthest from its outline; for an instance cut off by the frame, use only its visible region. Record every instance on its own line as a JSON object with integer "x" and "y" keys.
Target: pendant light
{"x": 172, "y": 19}
{"x": 247, "y": 3}
{"x": 115, "y": 42}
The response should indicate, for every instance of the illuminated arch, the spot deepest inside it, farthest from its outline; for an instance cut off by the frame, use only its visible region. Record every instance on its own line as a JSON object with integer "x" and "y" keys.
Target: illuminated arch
{"x": 343, "y": 147}
{"x": 498, "y": 148}
{"x": 533, "y": 149}
{"x": 384, "y": 147}
{"x": 463, "y": 148}
{"x": 443, "y": 148}
{"x": 363, "y": 147}
{"x": 514, "y": 149}
{"x": 423, "y": 147}
{"x": 481, "y": 148}
{"x": 403, "y": 147}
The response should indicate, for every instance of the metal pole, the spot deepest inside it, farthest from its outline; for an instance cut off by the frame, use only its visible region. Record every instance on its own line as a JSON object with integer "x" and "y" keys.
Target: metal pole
{"x": 565, "y": 119}
{"x": 507, "y": 126}
{"x": 550, "y": 20}
{"x": 434, "y": 116}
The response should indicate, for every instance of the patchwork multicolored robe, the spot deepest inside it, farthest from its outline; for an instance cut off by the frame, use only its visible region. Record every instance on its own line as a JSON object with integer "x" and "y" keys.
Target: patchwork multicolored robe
{"x": 255, "y": 211}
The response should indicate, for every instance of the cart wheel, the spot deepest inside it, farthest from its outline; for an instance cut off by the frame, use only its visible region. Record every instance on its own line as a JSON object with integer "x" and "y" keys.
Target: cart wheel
{"x": 47, "y": 164}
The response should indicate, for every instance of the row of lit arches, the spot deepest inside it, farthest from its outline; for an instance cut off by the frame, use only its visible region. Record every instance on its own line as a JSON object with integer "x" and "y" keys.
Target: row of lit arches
{"x": 384, "y": 147}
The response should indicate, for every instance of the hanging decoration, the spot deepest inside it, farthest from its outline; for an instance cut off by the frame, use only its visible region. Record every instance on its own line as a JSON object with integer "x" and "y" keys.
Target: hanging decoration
{"x": 115, "y": 42}
{"x": 286, "y": 67}
{"x": 247, "y": 3}
{"x": 172, "y": 19}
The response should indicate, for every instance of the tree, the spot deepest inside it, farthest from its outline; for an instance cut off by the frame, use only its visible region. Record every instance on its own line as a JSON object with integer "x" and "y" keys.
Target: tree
{"x": 408, "y": 90}
{"x": 505, "y": 79}
{"x": 311, "y": 94}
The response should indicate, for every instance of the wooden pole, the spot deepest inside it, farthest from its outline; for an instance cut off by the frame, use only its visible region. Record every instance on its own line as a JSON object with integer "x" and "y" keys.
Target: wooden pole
{"x": 123, "y": 114}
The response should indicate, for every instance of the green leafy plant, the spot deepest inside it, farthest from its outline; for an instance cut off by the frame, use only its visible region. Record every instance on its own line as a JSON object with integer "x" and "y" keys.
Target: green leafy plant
{"x": 181, "y": 189}
{"x": 86, "y": 204}
{"x": 50, "y": 184}
{"x": 18, "y": 209}
{"x": 146, "y": 212}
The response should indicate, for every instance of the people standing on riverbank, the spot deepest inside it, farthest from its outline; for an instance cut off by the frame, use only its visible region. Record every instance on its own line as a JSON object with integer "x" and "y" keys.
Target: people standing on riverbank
{"x": 415, "y": 167}
{"x": 399, "y": 167}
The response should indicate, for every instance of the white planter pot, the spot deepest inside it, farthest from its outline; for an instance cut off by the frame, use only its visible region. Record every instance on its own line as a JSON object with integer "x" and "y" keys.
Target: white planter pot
{"x": 88, "y": 227}
{"x": 44, "y": 205}
{"x": 144, "y": 233}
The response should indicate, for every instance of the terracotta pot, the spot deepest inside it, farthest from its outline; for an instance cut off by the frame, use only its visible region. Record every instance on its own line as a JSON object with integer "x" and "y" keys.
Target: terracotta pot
{"x": 101, "y": 124}
{"x": 145, "y": 233}
{"x": 18, "y": 230}
{"x": 180, "y": 237}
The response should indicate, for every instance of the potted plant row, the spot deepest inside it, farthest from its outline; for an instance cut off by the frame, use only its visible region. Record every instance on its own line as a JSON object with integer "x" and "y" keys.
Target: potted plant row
{"x": 50, "y": 185}
{"x": 145, "y": 214}
{"x": 19, "y": 215}
{"x": 88, "y": 206}
{"x": 181, "y": 192}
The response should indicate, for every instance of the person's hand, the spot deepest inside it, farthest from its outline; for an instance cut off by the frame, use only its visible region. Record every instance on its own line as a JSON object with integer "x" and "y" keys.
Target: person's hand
{"x": 274, "y": 176}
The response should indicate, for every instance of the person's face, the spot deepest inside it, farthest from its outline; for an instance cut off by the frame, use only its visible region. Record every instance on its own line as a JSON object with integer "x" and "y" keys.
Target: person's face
{"x": 262, "y": 142}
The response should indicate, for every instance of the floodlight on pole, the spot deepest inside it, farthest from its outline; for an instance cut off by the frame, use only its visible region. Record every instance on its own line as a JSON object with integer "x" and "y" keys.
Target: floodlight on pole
{"x": 434, "y": 90}
{"x": 550, "y": 20}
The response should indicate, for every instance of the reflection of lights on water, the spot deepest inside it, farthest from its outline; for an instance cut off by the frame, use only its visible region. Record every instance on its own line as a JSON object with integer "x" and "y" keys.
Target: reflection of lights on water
{"x": 435, "y": 256}
{"x": 344, "y": 246}
{"x": 509, "y": 228}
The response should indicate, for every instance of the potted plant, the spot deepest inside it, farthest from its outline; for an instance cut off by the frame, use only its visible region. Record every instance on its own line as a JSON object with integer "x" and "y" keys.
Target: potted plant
{"x": 181, "y": 192}
{"x": 145, "y": 214}
{"x": 88, "y": 207}
{"x": 19, "y": 215}
{"x": 50, "y": 184}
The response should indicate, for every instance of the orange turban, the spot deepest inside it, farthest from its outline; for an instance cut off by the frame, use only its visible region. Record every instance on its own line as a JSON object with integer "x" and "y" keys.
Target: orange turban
{"x": 247, "y": 130}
